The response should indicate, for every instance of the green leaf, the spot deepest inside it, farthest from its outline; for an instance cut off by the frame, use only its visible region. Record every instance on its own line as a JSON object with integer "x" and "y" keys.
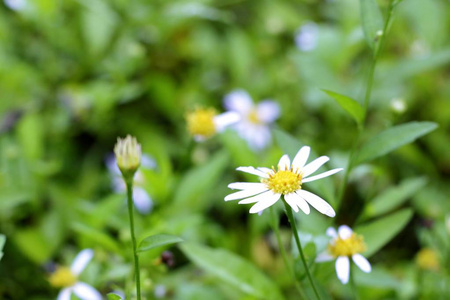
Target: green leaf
{"x": 112, "y": 296}
{"x": 378, "y": 233}
{"x": 372, "y": 20}
{"x": 232, "y": 269}
{"x": 2, "y": 244}
{"x": 158, "y": 240}
{"x": 392, "y": 139}
{"x": 351, "y": 106}
{"x": 289, "y": 144}
{"x": 198, "y": 181}
{"x": 96, "y": 236}
{"x": 394, "y": 197}
{"x": 32, "y": 244}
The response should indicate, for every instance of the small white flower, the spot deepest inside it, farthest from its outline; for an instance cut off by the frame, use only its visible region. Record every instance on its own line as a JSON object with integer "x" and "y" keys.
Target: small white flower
{"x": 345, "y": 244}
{"x": 255, "y": 119}
{"x": 67, "y": 278}
{"x": 203, "y": 123}
{"x": 287, "y": 181}
{"x": 16, "y": 5}
{"x": 141, "y": 198}
{"x": 307, "y": 36}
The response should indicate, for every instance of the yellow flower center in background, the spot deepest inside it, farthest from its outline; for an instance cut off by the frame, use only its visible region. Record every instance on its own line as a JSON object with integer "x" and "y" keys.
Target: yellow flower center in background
{"x": 284, "y": 182}
{"x": 253, "y": 117}
{"x": 347, "y": 247}
{"x": 201, "y": 122}
{"x": 62, "y": 277}
{"x": 427, "y": 259}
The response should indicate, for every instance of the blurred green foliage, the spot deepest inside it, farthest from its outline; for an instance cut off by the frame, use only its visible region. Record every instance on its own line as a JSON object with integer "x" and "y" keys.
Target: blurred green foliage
{"x": 74, "y": 75}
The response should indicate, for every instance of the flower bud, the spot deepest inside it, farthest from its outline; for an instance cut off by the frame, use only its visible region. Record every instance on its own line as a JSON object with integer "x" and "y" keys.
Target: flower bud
{"x": 128, "y": 156}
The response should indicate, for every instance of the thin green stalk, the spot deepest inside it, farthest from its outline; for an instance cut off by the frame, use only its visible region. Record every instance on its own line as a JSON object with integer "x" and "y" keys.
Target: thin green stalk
{"x": 352, "y": 282}
{"x": 133, "y": 238}
{"x": 290, "y": 216}
{"x": 367, "y": 97}
{"x": 276, "y": 229}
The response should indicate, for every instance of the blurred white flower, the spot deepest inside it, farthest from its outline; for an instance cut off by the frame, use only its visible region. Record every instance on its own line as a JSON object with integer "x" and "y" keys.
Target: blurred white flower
{"x": 67, "y": 278}
{"x": 141, "y": 198}
{"x": 16, "y": 4}
{"x": 307, "y": 37}
{"x": 398, "y": 105}
{"x": 203, "y": 123}
{"x": 287, "y": 181}
{"x": 345, "y": 244}
{"x": 255, "y": 119}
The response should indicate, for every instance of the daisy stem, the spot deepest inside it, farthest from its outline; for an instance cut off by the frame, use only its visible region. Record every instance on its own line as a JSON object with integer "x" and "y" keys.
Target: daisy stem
{"x": 276, "y": 229}
{"x": 291, "y": 218}
{"x": 352, "y": 283}
{"x": 133, "y": 237}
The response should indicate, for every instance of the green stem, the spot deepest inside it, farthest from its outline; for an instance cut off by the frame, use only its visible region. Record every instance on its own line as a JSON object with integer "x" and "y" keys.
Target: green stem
{"x": 352, "y": 282}
{"x": 369, "y": 85}
{"x": 133, "y": 238}
{"x": 299, "y": 245}
{"x": 276, "y": 229}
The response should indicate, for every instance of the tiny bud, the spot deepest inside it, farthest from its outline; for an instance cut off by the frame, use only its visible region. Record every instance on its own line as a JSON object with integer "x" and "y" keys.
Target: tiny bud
{"x": 398, "y": 105}
{"x": 378, "y": 35}
{"x": 128, "y": 156}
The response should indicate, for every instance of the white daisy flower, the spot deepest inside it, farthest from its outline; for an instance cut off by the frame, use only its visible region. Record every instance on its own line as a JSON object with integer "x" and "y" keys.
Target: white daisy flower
{"x": 203, "y": 123}
{"x": 307, "y": 36}
{"x": 67, "y": 279}
{"x": 287, "y": 181}
{"x": 141, "y": 198}
{"x": 345, "y": 244}
{"x": 255, "y": 119}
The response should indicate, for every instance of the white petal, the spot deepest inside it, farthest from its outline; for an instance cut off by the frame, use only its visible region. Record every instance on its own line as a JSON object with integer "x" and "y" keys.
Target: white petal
{"x": 291, "y": 201}
{"x": 226, "y": 119}
{"x": 318, "y": 203}
{"x": 265, "y": 170}
{"x": 343, "y": 268}
{"x": 81, "y": 260}
{"x": 268, "y": 111}
{"x": 258, "y": 198}
{"x": 345, "y": 232}
{"x": 268, "y": 201}
{"x": 259, "y": 137}
{"x": 64, "y": 294}
{"x": 246, "y": 193}
{"x": 142, "y": 200}
{"x": 86, "y": 292}
{"x": 239, "y": 101}
{"x": 253, "y": 171}
{"x": 147, "y": 162}
{"x": 111, "y": 164}
{"x": 284, "y": 163}
{"x": 321, "y": 175}
{"x": 301, "y": 157}
{"x": 314, "y": 165}
{"x": 362, "y": 263}
{"x": 245, "y": 185}
{"x": 323, "y": 257}
{"x": 298, "y": 201}
{"x": 331, "y": 232}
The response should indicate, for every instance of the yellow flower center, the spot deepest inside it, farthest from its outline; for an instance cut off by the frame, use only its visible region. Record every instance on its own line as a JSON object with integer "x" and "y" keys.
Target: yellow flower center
{"x": 62, "y": 277}
{"x": 427, "y": 259}
{"x": 284, "y": 182}
{"x": 253, "y": 117}
{"x": 347, "y": 247}
{"x": 201, "y": 122}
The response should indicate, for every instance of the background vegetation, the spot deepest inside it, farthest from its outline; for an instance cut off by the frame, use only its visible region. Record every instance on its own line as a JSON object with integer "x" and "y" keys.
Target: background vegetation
{"x": 74, "y": 75}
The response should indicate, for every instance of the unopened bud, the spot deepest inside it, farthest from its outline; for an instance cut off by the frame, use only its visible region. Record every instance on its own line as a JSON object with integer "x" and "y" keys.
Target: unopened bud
{"x": 128, "y": 156}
